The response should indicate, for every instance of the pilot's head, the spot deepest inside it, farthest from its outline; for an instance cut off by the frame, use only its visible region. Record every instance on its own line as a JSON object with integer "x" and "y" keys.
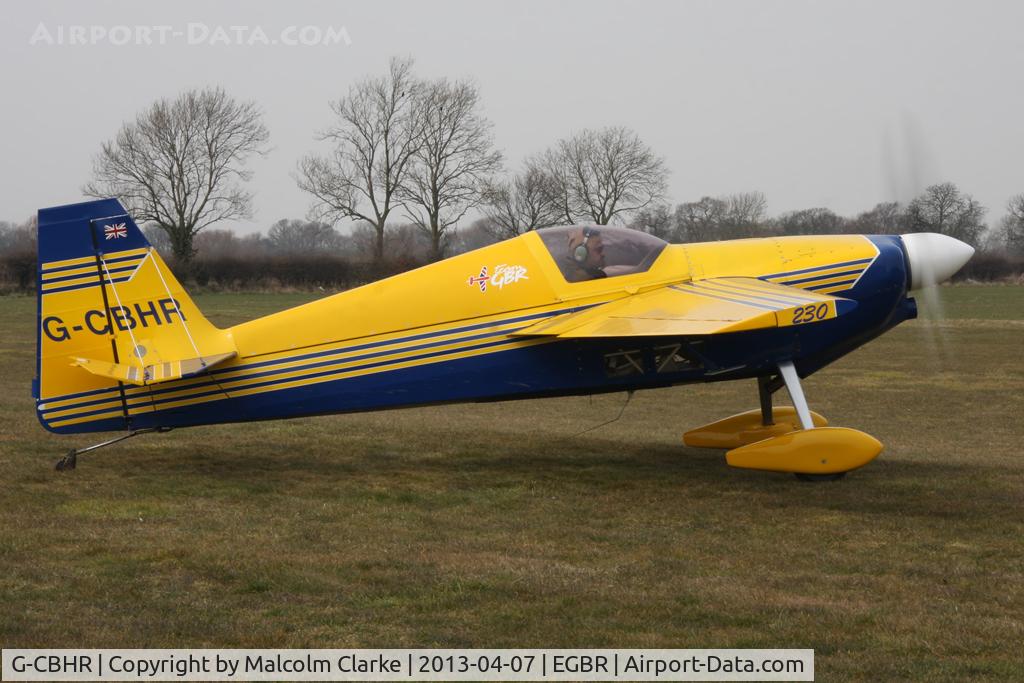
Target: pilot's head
{"x": 586, "y": 249}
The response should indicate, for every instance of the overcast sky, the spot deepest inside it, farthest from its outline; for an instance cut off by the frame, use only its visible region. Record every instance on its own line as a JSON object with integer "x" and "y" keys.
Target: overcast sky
{"x": 836, "y": 104}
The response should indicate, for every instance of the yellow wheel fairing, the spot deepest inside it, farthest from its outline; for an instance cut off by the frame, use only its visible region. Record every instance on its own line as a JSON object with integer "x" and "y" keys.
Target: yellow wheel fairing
{"x": 822, "y": 450}
{"x": 746, "y": 428}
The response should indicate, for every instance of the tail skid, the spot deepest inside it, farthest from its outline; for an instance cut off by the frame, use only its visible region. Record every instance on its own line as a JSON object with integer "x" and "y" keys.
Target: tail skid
{"x": 70, "y": 461}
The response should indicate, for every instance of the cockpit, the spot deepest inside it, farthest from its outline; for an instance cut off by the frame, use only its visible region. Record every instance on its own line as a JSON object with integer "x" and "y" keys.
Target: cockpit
{"x": 591, "y": 252}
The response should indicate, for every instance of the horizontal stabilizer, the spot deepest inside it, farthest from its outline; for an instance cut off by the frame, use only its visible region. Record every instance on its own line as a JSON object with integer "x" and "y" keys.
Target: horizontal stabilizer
{"x": 151, "y": 374}
{"x": 703, "y": 307}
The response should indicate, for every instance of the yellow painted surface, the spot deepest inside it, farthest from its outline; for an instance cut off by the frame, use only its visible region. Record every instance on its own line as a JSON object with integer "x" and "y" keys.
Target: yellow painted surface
{"x": 822, "y": 450}
{"x": 745, "y": 428}
{"x": 711, "y": 306}
{"x": 431, "y": 299}
{"x": 151, "y": 373}
{"x": 94, "y": 327}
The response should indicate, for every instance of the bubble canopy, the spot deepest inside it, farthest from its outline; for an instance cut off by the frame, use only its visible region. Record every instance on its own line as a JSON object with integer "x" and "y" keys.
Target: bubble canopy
{"x": 590, "y": 252}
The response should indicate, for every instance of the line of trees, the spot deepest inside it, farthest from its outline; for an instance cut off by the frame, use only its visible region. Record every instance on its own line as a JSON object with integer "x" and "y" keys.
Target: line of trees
{"x": 423, "y": 151}
{"x": 308, "y": 253}
{"x": 18, "y": 242}
{"x": 398, "y": 145}
{"x": 941, "y": 208}
{"x": 405, "y": 160}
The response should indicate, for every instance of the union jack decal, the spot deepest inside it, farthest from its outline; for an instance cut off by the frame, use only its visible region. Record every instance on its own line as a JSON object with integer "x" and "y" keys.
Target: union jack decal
{"x": 116, "y": 231}
{"x": 480, "y": 279}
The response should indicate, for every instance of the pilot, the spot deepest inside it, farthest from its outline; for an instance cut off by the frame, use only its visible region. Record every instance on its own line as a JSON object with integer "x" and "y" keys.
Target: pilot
{"x": 585, "y": 255}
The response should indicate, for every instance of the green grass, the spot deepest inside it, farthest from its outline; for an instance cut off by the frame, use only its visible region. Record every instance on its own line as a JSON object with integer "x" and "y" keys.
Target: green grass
{"x": 494, "y": 526}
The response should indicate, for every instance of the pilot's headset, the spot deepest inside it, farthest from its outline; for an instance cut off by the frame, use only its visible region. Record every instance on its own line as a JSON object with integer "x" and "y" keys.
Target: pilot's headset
{"x": 581, "y": 252}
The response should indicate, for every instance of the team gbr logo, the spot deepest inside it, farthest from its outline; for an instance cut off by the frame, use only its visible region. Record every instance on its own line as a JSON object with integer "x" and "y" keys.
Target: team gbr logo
{"x": 501, "y": 276}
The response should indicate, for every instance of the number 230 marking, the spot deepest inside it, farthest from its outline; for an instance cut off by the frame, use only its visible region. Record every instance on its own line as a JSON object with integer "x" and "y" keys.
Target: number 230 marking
{"x": 810, "y": 313}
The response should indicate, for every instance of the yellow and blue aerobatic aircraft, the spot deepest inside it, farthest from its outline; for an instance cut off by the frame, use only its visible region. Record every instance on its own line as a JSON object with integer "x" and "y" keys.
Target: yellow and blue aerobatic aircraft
{"x": 562, "y": 311}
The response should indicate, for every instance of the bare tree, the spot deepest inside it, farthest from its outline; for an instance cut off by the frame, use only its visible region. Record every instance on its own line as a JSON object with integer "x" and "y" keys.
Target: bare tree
{"x": 255, "y": 245}
{"x": 945, "y": 209}
{"x": 521, "y": 204}
{"x": 215, "y": 244}
{"x": 479, "y": 233}
{"x": 885, "y": 218}
{"x": 657, "y": 220}
{"x": 1009, "y": 235}
{"x": 405, "y": 247}
{"x": 701, "y": 221}
{"x": 817, "y": 221}
{"x": 19, "y": 238}
{"x": 453, "y": 160}
{"x": 408, "y": 246}
{"x": 375, "y": 136}
{"x": 600, "y": 175}
{"x": 291, "y": 236}
{"x": 159, "y": 239}
{"x": 180, "y": 164}
{"x": 721, "y": 218}
{"x": 18, "y": 247}
{"x": 363, "y": 242}
{"x": 744, "y": 215}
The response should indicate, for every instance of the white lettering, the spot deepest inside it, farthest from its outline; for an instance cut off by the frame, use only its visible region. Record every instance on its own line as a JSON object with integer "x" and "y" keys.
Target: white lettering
{"x": 220, "y": 36}
{"x": 332, "y": 37}
{"x": 120, "y": 35}
{"x": 197, "y": 33}
{"x": 508, "y": 275}
{"x": 309, "y": 35}
{"x": 163, "y": 32}
{"x": 258, "y": 37}
{"x": 41, "y": 34}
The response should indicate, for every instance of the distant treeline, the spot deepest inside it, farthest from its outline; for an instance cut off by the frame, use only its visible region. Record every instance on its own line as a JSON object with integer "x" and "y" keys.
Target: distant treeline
{"x": 293, "y": 254}
{"x": 302, "y": 254}
{"x": 403, "y": 148}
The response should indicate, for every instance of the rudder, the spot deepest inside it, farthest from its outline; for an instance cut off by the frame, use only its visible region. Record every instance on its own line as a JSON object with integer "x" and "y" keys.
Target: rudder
{"x": 112, "y": 320}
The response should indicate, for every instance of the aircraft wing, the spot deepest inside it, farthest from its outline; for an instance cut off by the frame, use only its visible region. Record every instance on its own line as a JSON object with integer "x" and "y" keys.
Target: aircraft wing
{"x": 712, "y": 306}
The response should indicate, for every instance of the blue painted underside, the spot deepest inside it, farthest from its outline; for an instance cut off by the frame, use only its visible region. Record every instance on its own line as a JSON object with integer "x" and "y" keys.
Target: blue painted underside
{"x": 573, "y": 366}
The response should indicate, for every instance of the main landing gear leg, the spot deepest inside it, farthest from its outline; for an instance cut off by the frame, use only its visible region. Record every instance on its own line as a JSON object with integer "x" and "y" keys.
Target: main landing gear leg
{"x": 764, "y": 393}
{"x": 796, "y": 393}
{"x": 70, "y": 461}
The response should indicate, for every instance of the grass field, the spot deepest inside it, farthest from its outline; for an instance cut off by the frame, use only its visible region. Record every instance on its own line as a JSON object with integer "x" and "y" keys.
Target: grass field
{"x": 494, "y": 526}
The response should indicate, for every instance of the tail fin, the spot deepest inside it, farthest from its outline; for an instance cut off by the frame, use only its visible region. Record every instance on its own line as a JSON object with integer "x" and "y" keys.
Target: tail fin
{"x": 111, "y": 314}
